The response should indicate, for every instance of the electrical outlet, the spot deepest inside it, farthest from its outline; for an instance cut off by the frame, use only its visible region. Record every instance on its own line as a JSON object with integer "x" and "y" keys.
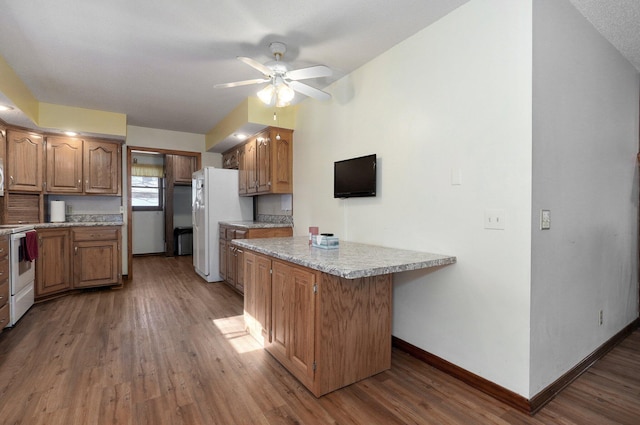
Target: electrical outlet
{"x": 121, "y": 209}
{"x": 494, "y": 219}
{"x": 600, "y": 317}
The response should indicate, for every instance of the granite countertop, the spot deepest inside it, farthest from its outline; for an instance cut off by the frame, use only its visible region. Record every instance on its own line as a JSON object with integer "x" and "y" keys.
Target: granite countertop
{"x": 76, "y": 224}
{"x": 351, "y": 260}
{"x": 254, "y": 224}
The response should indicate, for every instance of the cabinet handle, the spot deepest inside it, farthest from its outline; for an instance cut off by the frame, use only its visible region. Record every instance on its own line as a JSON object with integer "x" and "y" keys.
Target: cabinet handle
{"x": 1, "y": 297}
{"x": 79, "y": 183}
{"x": 11, "y": 181}
{"x": 1, "y": 274}
{"x": 1, "y": 250}
{"x": 76, "y": 250}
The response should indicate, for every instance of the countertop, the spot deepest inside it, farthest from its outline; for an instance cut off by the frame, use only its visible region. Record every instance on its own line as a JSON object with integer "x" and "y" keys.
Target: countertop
{"x": 254, "y": 224}
{"x": 36, "y": 226}
{"x": 351, "y": 260}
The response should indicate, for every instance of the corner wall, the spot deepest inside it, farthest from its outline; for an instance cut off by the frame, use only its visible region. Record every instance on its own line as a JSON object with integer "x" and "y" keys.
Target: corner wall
{"x": 453, "y": 99}
{"x": 585, "y": 140}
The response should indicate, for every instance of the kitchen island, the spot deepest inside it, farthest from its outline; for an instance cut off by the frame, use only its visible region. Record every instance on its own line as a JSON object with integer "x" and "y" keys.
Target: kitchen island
{"x": 325, "y": 314}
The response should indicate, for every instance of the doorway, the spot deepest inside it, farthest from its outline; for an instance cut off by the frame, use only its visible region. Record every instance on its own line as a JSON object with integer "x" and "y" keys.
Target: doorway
{"x": 164, "y": 204}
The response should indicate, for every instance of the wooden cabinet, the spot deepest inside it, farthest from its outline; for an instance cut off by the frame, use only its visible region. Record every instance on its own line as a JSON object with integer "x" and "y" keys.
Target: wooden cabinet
{"x": 96, "y": 255}
{"x": 4, "y": 281}
{"x": 53, "y": 266}
{"x": 102, "y": 167}
{"x": 292, "y": 342}
{"x": 328, "y": 331}
{"x": 231, "y": 257}
{"x": 230, "y": 159}
{"x": 265, "y": 162}
{"x": 24, "y": 161}
{"x": 180, "y": 169}
{"x": 257, "y": 300}
{"x": 63, "y": 165}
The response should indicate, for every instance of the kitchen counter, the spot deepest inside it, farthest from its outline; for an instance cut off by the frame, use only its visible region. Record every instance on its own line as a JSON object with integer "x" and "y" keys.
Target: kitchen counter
{"x": 351, "y": 260}
{"x": 254, "y": 224}
{"x": 76, "y": 224}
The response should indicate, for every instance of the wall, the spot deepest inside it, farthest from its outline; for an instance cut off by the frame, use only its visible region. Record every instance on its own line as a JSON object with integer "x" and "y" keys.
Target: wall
{"x": 585, "y": 139}
{"x": 453, "y": 99}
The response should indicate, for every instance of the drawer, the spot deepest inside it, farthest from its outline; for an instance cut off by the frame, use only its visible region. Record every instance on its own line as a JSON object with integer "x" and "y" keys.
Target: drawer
{"x": 4, "y": 316}
{"x": 231, "y": 234}
{"x": 95, "y": 234}
{"x": 4, "y": 246}
{"x": 241, "y": 234}
{"x": 4, "y": 269}
{"x": 4, "y": 292}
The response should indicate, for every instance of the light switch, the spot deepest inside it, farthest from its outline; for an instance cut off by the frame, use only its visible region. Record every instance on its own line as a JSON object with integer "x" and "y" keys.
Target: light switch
{"x": 545, "y": 220}
{"x": 494, "y": 219}
{"x": 456, "y": 177}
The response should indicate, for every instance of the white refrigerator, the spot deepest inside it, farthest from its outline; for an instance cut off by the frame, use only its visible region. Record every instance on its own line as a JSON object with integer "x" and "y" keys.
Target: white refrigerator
{"x": 214, "y": 199}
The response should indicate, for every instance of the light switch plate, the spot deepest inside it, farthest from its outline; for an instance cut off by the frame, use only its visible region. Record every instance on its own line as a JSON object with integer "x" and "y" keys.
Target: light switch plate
{"x": 545, "y": 220}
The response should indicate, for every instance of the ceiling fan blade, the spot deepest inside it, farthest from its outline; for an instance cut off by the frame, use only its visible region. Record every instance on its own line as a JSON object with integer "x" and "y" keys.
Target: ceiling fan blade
{"x": 307, "y": 90}
{"x": 242, "y": 83}
{"x": 256, "y": 65}
{"x": 310, "y": 72}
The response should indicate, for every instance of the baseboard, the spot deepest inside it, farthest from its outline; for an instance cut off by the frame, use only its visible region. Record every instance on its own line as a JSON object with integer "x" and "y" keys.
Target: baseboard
{"x": 496, "y": 391}
{"x": 529, "y": 406}
{"x": 545, "y": 396}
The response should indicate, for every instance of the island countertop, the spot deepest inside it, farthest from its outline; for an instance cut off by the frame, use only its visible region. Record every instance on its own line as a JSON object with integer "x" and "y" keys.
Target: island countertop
{"x": 254, "y": 224}
{"x": 351, "y": 260}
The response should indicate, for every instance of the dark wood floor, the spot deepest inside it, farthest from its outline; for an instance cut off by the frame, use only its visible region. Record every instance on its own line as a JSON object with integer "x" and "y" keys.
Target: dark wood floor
{"x": 170, "y": 349}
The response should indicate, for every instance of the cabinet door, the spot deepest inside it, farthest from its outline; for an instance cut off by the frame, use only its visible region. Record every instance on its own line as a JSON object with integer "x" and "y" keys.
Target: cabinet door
{"x": 281, "y": 166}
{"x": 102, "y": 167}
{"x": 222, "y": 258}
{"x": 242, "y": 170}
{"x": 257, "y": 295}
{"x": 95, "y": 263}
{"x": 250, "y": 166}
{"x": 24, "y": 165}
{"x": 263, "y": 164}
{"x": 53, "y": 266}
{"x": 238, "y": 259}
{"x": 183, "y": 168}
{"x": 64, "y": 165}
{"x": 293, "y": 319}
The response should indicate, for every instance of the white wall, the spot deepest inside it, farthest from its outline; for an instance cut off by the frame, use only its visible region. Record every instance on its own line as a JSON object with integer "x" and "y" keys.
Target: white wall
{"x": 454, "y": 97}
{"x": 585, "y": 140}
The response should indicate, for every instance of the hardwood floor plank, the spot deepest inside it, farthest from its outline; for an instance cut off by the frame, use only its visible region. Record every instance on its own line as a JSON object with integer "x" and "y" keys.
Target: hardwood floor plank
{"x": 169, "y": 348}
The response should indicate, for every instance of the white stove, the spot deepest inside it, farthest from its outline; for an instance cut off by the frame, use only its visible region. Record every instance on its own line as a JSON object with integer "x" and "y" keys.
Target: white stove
{"x": 21, "y": 272}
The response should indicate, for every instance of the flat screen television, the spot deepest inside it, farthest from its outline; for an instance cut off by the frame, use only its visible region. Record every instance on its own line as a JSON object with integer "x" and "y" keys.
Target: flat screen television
{"x": 355, "y": 177}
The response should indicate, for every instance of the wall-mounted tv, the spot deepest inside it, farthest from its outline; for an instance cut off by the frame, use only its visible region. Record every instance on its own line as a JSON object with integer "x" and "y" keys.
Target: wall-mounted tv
{"x": 355, "y": 177}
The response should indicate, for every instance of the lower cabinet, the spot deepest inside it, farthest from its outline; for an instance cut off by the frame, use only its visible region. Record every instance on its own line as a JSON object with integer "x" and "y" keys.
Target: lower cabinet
{"x": 96, "y": 257}
{"x": 292, "y": 319}
{"x": 77, "y": 257}
{"x": 231, "y": 257}
{"x": 327, "y": 331}
{"x": 53, "y": 266}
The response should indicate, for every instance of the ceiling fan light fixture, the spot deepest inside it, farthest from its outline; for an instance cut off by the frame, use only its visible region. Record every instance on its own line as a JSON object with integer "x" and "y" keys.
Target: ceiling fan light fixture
{"x": 285, "y": 93}
{"x": 266, "y": 94}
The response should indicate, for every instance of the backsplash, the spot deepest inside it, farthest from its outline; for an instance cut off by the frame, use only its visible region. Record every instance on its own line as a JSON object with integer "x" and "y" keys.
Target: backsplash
{"x": 279, "y": 219}
{"x": 95, "y": 218}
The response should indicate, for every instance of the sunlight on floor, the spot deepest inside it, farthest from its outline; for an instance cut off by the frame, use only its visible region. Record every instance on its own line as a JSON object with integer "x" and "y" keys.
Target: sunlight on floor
{"x": 233, "y": 330}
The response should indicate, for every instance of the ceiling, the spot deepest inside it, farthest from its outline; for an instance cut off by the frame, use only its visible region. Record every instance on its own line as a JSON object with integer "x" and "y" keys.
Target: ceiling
{"x": 157, "y": 60}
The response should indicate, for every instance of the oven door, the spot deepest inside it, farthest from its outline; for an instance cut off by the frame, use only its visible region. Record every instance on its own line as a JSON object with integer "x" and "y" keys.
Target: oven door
{"x": 23, "y": 273}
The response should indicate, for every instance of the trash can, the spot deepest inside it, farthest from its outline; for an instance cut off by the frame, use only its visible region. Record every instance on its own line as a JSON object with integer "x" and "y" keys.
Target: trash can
{"x": 183, "y": 241}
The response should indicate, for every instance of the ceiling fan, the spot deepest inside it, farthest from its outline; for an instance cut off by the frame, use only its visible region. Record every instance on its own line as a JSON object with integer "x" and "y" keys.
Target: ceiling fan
{"x": 283, "y": 82}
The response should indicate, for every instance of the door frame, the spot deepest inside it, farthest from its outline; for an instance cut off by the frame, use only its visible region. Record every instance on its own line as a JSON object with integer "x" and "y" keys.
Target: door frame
{"x": 168, "y": 195}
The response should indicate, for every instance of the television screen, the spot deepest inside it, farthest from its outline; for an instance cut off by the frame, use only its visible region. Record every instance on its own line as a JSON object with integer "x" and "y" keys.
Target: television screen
{"x": 355, "y": 177}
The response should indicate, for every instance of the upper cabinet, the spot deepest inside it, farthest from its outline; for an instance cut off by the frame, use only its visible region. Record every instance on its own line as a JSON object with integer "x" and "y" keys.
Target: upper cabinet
{"x": 64, "y": 165}
{"x": 265, "y": 163}
{"x": 180, "y": 169}
{"x": 101, "y": 169}
{"x": 24, "y": 161}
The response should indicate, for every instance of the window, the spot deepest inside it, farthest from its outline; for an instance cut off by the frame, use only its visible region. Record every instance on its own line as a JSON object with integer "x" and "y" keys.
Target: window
{"x": 146, "y": 193}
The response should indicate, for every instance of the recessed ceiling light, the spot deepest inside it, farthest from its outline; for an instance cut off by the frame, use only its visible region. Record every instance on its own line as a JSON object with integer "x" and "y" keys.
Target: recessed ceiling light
{"x": 70, "y": 133}
{"x": 6, "y": 108}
